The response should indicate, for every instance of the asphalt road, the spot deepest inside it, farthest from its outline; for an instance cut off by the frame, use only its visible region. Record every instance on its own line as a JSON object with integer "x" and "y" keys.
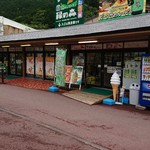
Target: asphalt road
{"x": 40, "y": 115}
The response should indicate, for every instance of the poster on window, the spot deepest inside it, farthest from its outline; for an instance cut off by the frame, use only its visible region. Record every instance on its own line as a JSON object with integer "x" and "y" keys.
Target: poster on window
{"x": 60, "y": 64}
{"x": 68, "y": 73}
{"x": 134, "y": 73}
{"x": 30, "y": 65}
{"x": 49, "y": 68}
{"x": 127, "y": 73}
{"x": 39, "y": 66}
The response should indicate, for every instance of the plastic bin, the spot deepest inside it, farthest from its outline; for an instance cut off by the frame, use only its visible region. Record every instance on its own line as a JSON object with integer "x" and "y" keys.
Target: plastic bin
{"x": 134, "y": 93}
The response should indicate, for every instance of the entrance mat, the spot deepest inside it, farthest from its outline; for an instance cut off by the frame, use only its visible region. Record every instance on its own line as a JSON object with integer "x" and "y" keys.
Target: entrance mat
{"x": 99, "y": 91}
{"x": 88, "y": 98}
{"x": 10, "y": 77}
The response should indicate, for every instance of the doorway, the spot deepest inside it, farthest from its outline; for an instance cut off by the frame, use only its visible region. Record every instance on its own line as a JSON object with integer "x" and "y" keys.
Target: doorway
{"x": 112, "y": 62}
{"x": 93, "y": 68}
{"x": 15, "y": 64}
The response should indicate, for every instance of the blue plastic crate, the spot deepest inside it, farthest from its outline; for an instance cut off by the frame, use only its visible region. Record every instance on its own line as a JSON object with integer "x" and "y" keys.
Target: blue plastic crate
{"x": 108, "y": 101}
{"x": 125, "y": 100}
{"x": 53, "y": 89}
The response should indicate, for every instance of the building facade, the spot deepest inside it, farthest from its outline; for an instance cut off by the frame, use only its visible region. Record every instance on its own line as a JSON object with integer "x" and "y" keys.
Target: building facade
{"x": 119, "y": 45}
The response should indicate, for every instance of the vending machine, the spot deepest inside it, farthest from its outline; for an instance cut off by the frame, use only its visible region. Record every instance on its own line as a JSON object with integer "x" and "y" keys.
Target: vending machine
{"x": 144, "y": 98}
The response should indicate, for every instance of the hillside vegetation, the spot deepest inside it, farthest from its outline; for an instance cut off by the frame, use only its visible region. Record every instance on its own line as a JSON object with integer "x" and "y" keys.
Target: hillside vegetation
{"x": 38, "y": 14}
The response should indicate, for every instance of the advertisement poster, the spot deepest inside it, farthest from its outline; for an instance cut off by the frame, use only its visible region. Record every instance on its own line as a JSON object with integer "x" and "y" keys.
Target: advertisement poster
{"x": 60, "y": 64}
{"x": 76, "y": 75}
{"x": 39, "y": 66}
{"x": 30, "y": 65}
{"x": 68, "y": 12}
{"x": 68, "y": 73}
{"x": 127, "y": 73}
{"x": 49, "y": 68}
{"x": 111, "y": 9}
{"x": 134, "y": 73}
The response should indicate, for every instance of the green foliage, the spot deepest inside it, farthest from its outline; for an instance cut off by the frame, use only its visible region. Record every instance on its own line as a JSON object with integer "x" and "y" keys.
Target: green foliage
{"x": 39, "y": 14}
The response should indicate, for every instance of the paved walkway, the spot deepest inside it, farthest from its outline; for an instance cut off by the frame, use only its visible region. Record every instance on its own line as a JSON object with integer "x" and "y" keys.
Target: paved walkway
{"x": 112, "y": 127}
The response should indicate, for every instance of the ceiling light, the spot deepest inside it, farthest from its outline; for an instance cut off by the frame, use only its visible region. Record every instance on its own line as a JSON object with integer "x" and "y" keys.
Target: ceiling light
{"x": 25, "y": 45}
{"x": 95, "y": 41}
{"x": 51, "y": 43}
{"x": 5, "y": 46}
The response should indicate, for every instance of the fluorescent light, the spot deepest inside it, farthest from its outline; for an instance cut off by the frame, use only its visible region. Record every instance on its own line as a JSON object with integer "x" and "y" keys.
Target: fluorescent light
{"x": 95, "y": 41}
{"x": 51, "y": 43}
{"x": 5, "y": 46}
{"x": 25, "y": 45}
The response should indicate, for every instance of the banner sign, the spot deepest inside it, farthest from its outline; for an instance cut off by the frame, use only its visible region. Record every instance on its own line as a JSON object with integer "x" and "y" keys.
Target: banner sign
{"x": 68, "y": 12}
{"x": 60, "y": 67}
{"x": 110, "y": 9}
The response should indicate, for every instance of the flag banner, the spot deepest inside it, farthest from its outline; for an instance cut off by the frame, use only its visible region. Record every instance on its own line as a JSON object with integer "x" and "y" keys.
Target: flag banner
{"x": 60, "y": 64}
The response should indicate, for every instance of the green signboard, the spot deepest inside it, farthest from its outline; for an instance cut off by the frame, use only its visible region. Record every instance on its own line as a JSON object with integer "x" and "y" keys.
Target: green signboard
{"x": 68, "y": 12}
{"x": 60, "y": 64}
{"x": 112, "y": 9}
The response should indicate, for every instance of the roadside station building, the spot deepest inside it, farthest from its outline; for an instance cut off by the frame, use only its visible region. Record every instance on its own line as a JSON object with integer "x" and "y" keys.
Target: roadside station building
{"x": 99, "y": 47}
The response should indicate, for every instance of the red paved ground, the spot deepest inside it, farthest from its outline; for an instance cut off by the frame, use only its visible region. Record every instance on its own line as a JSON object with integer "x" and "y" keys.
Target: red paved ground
{"x": 31, "y": 83}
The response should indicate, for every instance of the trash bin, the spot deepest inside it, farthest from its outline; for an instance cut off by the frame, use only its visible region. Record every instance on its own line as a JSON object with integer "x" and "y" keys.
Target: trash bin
{"x": 134, "y": 93}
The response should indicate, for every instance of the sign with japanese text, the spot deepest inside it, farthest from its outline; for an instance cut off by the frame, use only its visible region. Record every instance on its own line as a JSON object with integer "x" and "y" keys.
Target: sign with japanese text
{"x": 68, "y": 12}
{"x": 68, "y": 73}
{"x": 60, "y": 64}
{"x": 111, "y": 9}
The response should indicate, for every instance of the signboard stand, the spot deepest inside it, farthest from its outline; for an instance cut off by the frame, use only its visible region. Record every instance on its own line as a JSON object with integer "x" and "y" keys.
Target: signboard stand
{"x": 76, "y": 76}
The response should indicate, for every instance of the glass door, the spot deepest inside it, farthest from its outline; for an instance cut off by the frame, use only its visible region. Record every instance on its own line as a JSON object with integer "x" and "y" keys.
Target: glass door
{"x": 12, "y": 63}
{"x": 93, "y": 68}
{"x": 19, "y": 64}
{"x": 15, "y": 63}
{"x": 112, "y": 62}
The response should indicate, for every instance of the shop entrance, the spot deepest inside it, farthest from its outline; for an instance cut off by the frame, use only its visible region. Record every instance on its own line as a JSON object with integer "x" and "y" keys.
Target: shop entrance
{"x": 15, "y": 64}
{"x": 93, "y": 68}
{"x": 112, "y": 62}
{"x": 100, "y": 67}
